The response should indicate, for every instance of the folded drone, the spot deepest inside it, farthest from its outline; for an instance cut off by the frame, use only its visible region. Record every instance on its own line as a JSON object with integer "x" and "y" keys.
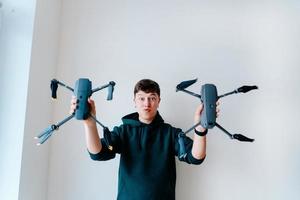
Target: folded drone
{"x": 209, "y": 97}
{"x": 82, "y": 91}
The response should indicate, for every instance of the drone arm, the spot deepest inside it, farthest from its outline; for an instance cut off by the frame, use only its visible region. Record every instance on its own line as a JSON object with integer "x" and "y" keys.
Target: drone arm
{"x": 110, "y": 86}
{"x": 97, "y": 121}
{"x": 224, "y": 130}
{"x": 66, "y": 86}
{"x": 190, "y": 129}
{"x": 189, "y": 92}
{"x": 111, "y": 83}
{"x": 226, "y": 94}
{"x": 238, "y": 137}
{"x": 65, "y": 120}
{"x": 106, "y": 133}
{"x": 100, "y": 88}
{"x": 55, "y": 81}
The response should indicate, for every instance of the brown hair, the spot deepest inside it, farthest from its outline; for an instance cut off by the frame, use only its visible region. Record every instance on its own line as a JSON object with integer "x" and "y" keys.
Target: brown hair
{"x": 147, "y": 85}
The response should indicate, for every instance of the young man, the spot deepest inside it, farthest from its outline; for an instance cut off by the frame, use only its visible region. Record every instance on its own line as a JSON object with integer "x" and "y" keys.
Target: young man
{"x": 147, "y": 147}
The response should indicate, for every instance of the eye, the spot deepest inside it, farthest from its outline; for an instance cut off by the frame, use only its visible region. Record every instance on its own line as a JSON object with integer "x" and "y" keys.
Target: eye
{"x": 142, "y": 98}
{"x": 153, "y": 98}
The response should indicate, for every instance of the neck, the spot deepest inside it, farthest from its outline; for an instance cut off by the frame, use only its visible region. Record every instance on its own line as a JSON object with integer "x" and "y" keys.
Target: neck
{"x": 145, "y": 121}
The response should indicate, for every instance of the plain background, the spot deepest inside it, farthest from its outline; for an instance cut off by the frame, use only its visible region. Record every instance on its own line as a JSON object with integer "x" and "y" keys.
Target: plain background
{"x": 227, "y": 43}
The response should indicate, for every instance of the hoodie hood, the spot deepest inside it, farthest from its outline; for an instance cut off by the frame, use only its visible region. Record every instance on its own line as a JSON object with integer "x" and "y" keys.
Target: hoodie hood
{"x": 133, "y": 120}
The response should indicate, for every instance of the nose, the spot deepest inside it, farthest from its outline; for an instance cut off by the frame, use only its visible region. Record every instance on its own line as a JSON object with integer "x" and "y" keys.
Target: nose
{"x": 147, "y": 102}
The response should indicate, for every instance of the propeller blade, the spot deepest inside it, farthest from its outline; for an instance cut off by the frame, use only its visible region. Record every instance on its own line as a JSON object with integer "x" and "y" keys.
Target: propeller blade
{"x": 44, "y": 138}
{"x": 247, "y": 88}
{"x": 54, "y": 86}
{"x": 48, "y": 130}
{"x": 242, "y": 138}
{"x": 182, "y": 149}
{"x": 185, "y": 84}
{"x": 107, "y": 138}
{"x": 110, "y": 90}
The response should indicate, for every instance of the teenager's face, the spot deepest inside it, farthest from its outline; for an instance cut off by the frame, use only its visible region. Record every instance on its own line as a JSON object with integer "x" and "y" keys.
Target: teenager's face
{"x": 146, "y": 105}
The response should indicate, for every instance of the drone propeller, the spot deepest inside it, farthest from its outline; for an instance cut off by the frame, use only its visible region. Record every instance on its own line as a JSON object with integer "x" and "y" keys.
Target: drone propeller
{"x": 110, "y": 90}
{"x": 247, "y": 88}
{"x": 242, "y": 138}
{"x": 181, "y": 87}
{"x": 182, "y": 149}
{"x": 54, "y": 86}
{"x": 107, "y": 138}
{"x": 185, "y": 84}
{"x": 47, "y": 133}
{"x": 243, "y": 89}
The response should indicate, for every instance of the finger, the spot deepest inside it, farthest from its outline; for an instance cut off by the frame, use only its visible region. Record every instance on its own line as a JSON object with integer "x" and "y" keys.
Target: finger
{"x": 200, "y": 107}
{"x": 72, "y": 109}
{"x": 91, "y": 101}
{"x": 218, "y": 103}
{"x": 74, "y": 100}
{"x": 92, "y": 105}
{"x": 74, "y": 106}
{"x": 73, "y": 97}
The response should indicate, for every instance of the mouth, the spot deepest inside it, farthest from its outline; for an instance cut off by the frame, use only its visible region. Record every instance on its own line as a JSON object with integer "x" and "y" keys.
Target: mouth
{"x": 147, "y": 110}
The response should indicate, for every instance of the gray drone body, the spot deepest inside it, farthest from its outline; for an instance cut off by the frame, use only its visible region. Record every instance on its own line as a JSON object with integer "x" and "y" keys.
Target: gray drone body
{"x": 209, "y": 97}
{"x": 82, "y": 91}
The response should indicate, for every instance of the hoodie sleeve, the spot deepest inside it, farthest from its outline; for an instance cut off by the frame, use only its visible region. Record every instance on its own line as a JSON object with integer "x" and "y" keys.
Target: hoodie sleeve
{"x": 105, "y": 153}
{"x": 188, "y": 143}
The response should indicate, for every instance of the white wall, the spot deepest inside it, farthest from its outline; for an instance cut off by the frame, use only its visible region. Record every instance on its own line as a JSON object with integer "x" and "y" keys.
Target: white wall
{"x": 225, "y": 43}
{"x": 15, "y": 48}
{"x": 39, "y": 111}
{"x": 228, "y": 44}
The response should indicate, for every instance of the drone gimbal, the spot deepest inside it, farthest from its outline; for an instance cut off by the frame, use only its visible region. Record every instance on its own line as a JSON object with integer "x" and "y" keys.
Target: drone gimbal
{"x": 83, "y": 90}
{"x": 209, "y": 97}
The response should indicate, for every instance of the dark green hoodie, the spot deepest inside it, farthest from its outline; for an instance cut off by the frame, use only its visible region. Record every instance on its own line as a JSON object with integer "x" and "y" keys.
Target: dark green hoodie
{"x": 147, "y": 163}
